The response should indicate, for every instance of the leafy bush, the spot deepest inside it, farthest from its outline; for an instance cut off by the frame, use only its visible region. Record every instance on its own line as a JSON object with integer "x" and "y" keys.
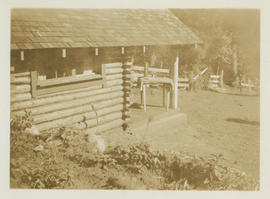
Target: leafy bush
{"x": 20, "y": 123}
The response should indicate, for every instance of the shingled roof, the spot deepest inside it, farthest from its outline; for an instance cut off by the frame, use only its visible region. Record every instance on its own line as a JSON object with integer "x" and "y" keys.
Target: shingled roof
{"x": 70, "y": 28}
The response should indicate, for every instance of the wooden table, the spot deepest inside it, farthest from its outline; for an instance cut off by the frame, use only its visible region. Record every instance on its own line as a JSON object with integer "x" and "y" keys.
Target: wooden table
{"x": 165, "y": 82}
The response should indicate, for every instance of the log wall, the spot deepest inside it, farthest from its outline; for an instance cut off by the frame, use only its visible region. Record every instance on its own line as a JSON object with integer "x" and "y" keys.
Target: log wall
{"x": 98, "y": 107}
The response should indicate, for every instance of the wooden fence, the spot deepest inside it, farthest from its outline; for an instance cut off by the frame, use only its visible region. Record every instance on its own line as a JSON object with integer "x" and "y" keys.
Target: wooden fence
{"x": 99, "y": 105}
{"x": 138, "y": 71}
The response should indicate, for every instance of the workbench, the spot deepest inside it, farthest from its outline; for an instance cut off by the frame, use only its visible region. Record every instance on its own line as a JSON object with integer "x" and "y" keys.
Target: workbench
{"x": 164, "y": 82}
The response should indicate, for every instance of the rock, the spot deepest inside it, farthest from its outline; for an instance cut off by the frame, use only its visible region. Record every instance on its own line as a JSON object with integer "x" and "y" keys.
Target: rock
{"x": 38, "y": 148}
{"x": 97, "y": 142}
{"x": 33, "y": 130}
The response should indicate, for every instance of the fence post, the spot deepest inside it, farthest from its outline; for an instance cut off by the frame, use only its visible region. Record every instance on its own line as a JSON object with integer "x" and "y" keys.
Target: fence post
{"x": 34, "y": 80}
{"x": 174, "y": 77}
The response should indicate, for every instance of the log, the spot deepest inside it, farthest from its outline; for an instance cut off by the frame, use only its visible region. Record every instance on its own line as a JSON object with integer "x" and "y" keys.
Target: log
{"x": 114, "y": 82}
{"x": 106, "y": 126}
{"x": 65, "y": 97}
{"x": 68, "y": 80}
{"x": 74, "y": 111}
{"x": 70, "y": 121}
{"x": 99, "y": 105}
{"x": 74, "y": 103}
{"x": 79, "y": 121}
{"x": 59, "y": 88}
{"x": 151, "y": 69}
{"x": 79, "y": 90}
{"x": 113, "y": 70}
{"x": 114, "y": 108}
{"x": 21, "y": 74}
{"x": 21, "y": 80}
{"x": 25, "y": 88}
{"x": 183, "y": 79}
{"x": 109, "y": 117}
{"x": 174, "y": 77}
{"x": 20, "y": 97}
{"x": 62, "y": 113}
{"x": 113, "y": 77}
{"x": 113, "y": 65}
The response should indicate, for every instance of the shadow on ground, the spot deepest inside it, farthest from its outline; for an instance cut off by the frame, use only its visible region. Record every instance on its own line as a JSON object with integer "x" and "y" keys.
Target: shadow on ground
{"x": 237, "y": 120}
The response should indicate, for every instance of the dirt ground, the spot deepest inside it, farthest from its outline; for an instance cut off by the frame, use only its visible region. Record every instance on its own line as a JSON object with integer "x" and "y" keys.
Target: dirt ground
{"x": 216, "y": 124}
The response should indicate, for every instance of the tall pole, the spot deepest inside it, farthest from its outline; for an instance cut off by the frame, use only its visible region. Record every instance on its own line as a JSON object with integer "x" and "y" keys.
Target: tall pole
{"x": 174, "y": 76}
{"x": 235, "y": 61}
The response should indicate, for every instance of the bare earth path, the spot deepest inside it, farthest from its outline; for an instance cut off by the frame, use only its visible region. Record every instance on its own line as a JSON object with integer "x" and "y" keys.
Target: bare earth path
{"x": 217, "y": 124}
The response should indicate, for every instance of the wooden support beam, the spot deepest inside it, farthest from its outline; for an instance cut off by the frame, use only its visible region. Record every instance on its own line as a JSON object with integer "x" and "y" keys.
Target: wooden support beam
{"x": 34, "y": 82}
{"x": 144, "y": 98}
{"x": 103, "y": 74}
{"x": 174, "y": 77}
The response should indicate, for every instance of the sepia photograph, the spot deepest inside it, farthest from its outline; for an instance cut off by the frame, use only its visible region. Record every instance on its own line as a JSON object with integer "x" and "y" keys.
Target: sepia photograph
{"x": 135, "y": 99}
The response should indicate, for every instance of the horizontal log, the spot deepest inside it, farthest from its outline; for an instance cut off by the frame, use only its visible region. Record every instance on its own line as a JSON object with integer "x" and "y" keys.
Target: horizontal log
{"x": 102, "y": 104}
{"x": 215, "y": 76}
{"x": 77, "y": 110}
{"x": 109, "y": 117}
{"x": 20, "y": 97}
{"x": 155, "y": 70}
{"x": 128, "y": 63}
{"x": 183, "y": 79}
{"x": 137, "y": 75}
{"x": 21, "y": 80}
{"x": 79, "y": 121}
{"x": 113, "y": 70}
{"x": 86, "y": 92}
{"x": 106, "y": 110}
{"x": 73, "y": 103}
{"x": 24, "y": 88}
{"x": 214, "y": 81}
{"x": 70, "y": 79}
{"x": 106, "y": 126}
{"x": 113, "y": 77}
{"x": 67, "y": 122}
{"x": 183, "y": 85}
{"x": 67, "y": 92}
{"x": 21, "y": 74}
{"x": 55, "y": 89}
{"x": 62, "y": 113}
{"x": 114, "y": 82}
{"x": 113, "y": 65}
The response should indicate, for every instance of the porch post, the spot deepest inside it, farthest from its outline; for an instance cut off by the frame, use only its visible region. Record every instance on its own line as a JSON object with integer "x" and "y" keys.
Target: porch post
{"x": 174, "y": 77}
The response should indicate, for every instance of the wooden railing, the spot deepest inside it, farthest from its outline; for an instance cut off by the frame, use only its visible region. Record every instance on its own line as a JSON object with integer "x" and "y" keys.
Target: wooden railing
{"x": 138, "y": 71}
{"x": 48, "y": 86}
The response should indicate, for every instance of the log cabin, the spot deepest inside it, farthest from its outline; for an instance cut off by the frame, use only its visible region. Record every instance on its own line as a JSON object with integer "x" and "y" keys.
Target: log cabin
{"x": 71, "y": 66}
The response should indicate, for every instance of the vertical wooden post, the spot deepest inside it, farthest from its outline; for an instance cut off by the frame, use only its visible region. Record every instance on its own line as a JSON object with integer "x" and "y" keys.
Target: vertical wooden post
{"x": 144, "y": 98}
{"x": 221, "y": 79}
{"x": 103, "y": 74}
{"x": 174, "y": 77}
{"x": 146, "y": 67}
{"x": 168, "y": 98}
{"x": 34, "y": 81}
{"x": 164, "y": 96}
{"x": 235, "y": 61}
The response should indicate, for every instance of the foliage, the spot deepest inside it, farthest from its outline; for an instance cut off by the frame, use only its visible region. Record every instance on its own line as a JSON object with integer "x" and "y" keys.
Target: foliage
{"x": 64, "y": 158}
{"x": 220, "y": 29}
{"x": 20, "y": 123}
